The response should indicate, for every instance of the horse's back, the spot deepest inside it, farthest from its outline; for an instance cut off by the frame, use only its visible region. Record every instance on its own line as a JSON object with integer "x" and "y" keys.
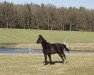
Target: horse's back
{"x": 56, "y": 47}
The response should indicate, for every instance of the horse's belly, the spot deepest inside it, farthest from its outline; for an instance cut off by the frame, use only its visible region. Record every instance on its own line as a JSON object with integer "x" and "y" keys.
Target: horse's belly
{"x": 53, "y": 51}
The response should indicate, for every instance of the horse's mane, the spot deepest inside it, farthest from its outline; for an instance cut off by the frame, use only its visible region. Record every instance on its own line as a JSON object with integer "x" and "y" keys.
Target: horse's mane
{"x": 43, "y": 39}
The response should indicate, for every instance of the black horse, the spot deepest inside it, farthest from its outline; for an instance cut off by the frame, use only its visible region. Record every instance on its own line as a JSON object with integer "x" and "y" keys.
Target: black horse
{"x": 49, "y": 49}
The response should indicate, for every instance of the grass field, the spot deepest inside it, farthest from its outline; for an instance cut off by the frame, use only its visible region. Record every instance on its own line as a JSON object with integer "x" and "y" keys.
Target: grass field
{"x": 23, "y": 36}
{"x": 25, "y": 64}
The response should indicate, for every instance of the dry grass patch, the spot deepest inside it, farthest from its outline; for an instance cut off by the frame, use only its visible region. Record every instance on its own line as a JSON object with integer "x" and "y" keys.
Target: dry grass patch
{"x": 25, "y": 64}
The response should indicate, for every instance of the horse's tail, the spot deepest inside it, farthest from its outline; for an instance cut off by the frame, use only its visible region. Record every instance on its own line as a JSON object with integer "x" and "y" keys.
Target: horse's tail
{"x": 66, "y": 48}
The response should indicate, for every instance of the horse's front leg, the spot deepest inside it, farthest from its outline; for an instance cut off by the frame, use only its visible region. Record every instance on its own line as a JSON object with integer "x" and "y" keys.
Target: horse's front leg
{"x": 49, "y": 55}
{"x": 45, "y": 56}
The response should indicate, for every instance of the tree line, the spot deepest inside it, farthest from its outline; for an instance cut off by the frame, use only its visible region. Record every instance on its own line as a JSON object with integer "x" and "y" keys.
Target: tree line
{"x": 47, "y": 17}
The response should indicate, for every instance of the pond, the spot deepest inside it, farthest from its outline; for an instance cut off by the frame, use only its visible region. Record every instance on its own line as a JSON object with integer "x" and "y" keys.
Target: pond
{"x": 20, "y": 51}
{"x": 29, "y": 51}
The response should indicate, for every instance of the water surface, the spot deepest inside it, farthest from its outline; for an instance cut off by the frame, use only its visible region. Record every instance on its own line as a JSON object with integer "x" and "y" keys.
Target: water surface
{"x": 29, "y": 51}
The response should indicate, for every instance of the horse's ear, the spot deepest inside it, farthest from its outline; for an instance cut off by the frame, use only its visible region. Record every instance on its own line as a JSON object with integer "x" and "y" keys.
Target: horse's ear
{"x": 40, "y": 36}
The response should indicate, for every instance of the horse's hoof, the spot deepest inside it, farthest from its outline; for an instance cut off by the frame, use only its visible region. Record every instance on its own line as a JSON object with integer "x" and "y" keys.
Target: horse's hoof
{"x": 45, "y": 64}
{"x": 52, "y": 63}
{"x": 65, "y": 62}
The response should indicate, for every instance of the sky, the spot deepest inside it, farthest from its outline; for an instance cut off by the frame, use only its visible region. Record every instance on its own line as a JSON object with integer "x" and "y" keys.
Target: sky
{"x": 89, "y": 4}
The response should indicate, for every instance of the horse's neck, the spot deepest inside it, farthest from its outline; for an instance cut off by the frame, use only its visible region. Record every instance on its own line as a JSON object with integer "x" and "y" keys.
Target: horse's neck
{"x": 44, "y": 41}
{"x": 44, "y": 44}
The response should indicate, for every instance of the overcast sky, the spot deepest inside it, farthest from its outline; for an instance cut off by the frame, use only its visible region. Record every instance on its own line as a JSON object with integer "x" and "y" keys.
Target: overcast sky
{"x": 58, "y": 3}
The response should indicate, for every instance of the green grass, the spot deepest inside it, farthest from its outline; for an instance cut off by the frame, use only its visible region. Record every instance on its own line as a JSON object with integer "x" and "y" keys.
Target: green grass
{"x": 23, "y": 64}
{"x": 23, "y": 36}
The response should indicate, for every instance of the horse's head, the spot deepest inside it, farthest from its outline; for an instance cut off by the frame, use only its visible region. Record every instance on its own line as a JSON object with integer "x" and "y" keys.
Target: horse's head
{"x": 39, "y": 39}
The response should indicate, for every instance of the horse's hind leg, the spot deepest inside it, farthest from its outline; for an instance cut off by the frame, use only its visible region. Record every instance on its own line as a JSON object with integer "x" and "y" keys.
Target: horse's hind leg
{"x": 64, "y": 57}
{"x": 61, "y": 56}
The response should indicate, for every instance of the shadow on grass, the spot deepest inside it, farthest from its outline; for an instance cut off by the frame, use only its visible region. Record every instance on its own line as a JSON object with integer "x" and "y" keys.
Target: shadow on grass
{"x": 54, "y": 62}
